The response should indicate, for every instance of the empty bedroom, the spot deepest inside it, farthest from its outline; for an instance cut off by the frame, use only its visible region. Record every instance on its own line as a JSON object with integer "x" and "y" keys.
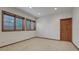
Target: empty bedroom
{"x": 39, "y": 28}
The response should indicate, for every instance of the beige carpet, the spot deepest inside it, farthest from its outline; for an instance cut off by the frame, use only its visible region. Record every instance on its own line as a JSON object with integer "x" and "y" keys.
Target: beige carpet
{"x": 38, "y": 44}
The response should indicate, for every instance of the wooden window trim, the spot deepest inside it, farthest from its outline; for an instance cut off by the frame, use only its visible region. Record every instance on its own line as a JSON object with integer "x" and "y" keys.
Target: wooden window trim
{"x": 26, "y": 25}
{"x": 34, "y": 25}
{"x": 22, "y": 25}
{"x": 30, "y": 25}
{"x": 12, "y": 14}
{"x": 15, "y": 16}
{"x": 3, "y": 30}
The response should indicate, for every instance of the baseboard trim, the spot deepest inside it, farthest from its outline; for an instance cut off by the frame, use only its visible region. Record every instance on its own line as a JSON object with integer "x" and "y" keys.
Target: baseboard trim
{"x": 16, "y": 42}
{"x": 75, "y": 46}
{"x": 58, "y": 40}
{"x": 35, "y": 37}
{"x": 47, "y": 38}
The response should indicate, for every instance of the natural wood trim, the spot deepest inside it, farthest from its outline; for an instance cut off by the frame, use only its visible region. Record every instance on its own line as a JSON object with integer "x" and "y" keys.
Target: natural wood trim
{"x": 30, "y": 25}
{"x": 2, "y": 22}
{"x": 15, "y": 16}
{"x": 26, "y": 25}
{"x": 14, "y": 23}
{"x": 16, "y": 42}
{"x": 65, "y": 18}
{"x": 57, "y": 40}
{"x": 36, "y": 37}
{"x": 23, "y": 26}
{"x": 47, "y": 38}
{"x": 12, "y": 14}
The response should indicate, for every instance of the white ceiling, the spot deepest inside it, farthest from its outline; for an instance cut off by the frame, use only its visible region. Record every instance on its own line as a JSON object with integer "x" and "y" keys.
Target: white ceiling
{"x": 44, "y": 10}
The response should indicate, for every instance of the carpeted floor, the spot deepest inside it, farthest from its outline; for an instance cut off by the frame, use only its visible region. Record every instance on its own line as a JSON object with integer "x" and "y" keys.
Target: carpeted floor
{"x": 38, "y": 44}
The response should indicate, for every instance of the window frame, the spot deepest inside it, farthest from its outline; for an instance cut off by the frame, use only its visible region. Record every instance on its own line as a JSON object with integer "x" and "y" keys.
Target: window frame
{"x": 34, "y": 25}
{"x": 30, "y": 25}
{"x": 13, "y": 15}
{"x": 22, "y": 26}
{"x": 26, "y": 25}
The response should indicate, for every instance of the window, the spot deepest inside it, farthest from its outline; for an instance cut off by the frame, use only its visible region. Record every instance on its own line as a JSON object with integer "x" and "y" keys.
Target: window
{"x": 18, "y": 24}
{"x": 33, "y": 27}
{"x": 11, "y": 22}
{"x": 8, "y": 22}
{"x": 30, "y": 24}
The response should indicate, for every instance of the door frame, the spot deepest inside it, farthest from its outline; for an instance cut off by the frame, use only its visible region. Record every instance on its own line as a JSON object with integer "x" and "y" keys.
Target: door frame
{"x": 64, "y": 19}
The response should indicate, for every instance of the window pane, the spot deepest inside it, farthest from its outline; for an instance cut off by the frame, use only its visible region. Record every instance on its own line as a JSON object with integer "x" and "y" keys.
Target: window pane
{"x": 8, "y": 22}
{"x": 18, "y": 23}
{"x": 28, "y": 24}
{"x": 32, "y": 25}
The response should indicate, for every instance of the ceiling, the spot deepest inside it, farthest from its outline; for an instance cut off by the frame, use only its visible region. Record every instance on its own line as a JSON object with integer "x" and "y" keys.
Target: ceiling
{"x": 42, "y": 11}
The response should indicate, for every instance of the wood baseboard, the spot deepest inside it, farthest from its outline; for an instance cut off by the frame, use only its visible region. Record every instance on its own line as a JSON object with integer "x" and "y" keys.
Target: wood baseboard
{"x": 47, "y": 38}
{"x": 75, "y": 46}
{"x": 58, "y": 40}
{"x": 36, "y": 37}
{"x": 16, "y": 42}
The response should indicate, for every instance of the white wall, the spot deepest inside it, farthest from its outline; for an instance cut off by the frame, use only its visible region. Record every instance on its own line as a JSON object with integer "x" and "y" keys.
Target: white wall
{"x": 11, "y": 37}
{"x": 76, "y": 26}
{"x": 49, "y": 26}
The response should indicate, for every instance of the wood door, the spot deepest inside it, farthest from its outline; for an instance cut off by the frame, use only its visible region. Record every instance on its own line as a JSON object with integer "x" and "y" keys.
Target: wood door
{"x": 66, "y": 29}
